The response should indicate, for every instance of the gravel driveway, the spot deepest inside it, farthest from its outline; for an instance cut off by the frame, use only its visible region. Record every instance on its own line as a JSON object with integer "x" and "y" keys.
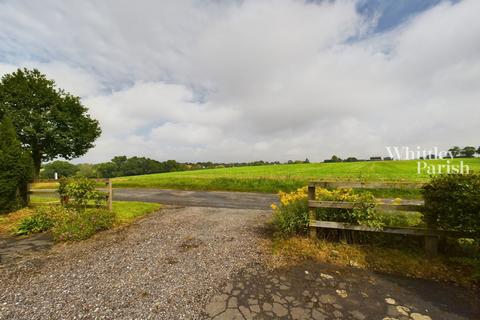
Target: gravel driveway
{"x": 165, "y": 266}
{"x": 208, "y": 263}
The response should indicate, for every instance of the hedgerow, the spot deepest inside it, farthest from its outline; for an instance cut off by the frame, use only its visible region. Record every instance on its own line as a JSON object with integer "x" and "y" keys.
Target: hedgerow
{"x": 452, "y": 202}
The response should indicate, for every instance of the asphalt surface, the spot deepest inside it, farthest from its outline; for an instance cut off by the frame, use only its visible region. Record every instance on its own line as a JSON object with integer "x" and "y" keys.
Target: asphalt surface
{"x": 212, "y": 199}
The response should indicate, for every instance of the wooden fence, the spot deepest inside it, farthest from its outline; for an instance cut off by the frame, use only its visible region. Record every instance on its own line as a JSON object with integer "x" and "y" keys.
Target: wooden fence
{"x": 31, "y": 190}
{"x": 431, "y": 235}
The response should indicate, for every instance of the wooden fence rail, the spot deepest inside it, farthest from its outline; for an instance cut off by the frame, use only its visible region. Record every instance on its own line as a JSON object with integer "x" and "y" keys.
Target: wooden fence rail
{"x": 366, "y": 184}
{"x": 430, "y": 235}
{"x": 107, "y": 189}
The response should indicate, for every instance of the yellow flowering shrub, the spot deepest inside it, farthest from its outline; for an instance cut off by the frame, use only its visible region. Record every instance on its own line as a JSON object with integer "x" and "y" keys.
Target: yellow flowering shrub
{"x": 291, "y": 215}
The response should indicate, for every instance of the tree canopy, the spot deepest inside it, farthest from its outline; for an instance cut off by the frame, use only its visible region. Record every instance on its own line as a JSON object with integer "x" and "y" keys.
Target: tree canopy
{"x": 49, "y": 121}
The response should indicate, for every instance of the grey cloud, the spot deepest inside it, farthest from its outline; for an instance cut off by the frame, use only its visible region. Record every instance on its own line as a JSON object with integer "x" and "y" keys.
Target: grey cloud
{"x": 279, "y": 79}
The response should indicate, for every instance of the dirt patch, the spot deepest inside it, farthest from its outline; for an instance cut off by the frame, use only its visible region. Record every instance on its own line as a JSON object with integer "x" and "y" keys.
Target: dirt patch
{"x": 190, "y": 243}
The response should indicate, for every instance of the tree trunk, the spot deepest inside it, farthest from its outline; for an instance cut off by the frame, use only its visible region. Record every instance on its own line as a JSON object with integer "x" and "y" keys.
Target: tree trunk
{"x": 37, "y": 163}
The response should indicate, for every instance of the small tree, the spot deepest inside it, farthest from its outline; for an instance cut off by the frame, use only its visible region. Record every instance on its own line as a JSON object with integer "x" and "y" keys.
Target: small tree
{"x": 468, "y": 152}
{"x": 15, "y": 168}
{"x": 335, "y": 159}
{"x": 455, "y": 151}
{"x": 49, "y": 121}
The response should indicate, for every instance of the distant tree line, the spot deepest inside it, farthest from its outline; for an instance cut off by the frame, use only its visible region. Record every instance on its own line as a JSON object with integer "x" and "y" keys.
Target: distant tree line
{"x": 466, "y": 152}
{"x": 456, "y": 152}
{"x": 121, "y": 166}
{"x": 118, "y": 167}
{"x": 335, "y": 158}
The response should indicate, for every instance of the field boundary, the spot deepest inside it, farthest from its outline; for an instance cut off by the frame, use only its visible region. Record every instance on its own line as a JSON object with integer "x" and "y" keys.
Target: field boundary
{"x": 367, "y": 184}
{"x": 431, "y": 235}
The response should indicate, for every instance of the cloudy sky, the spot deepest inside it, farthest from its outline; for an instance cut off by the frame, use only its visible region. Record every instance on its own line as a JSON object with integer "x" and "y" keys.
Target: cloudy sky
{"x": 248, "y": 80}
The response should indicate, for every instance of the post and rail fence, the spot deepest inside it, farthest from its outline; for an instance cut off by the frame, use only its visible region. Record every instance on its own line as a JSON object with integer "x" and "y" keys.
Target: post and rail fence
{"x": 431, "y": 235}
{"x": 30, "y": 191}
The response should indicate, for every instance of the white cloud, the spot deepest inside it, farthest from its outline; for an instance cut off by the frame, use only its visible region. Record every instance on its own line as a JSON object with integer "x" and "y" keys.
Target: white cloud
{"x": 272, "y": 80}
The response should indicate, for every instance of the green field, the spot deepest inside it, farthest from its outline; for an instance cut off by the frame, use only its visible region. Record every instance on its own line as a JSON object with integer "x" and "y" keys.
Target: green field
{"x": 273, "y": 178}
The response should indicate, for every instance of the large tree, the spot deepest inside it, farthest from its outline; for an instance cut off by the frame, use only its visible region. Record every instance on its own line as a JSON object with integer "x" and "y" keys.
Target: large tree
{"x": 49, "y": 121}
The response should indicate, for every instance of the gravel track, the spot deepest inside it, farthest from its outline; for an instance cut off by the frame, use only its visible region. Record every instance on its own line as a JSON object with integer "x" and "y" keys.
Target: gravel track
{"x": 164, "y": 266}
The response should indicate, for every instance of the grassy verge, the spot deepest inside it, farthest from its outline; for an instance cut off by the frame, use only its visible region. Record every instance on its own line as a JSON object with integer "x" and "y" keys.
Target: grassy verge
{"x": 125, "y": 213}
{"x": 408, "y": 263}
{"x": 9, "y": 221}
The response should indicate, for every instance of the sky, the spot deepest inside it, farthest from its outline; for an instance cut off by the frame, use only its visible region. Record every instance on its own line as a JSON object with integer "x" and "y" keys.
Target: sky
{"x": 229, "y": 81}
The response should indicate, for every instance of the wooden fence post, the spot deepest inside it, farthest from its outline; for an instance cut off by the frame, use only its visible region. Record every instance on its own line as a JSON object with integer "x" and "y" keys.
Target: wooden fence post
{"x": 431, "y": 246}
{"x": 311, "y": 211}
{"x": 110, "y": 195}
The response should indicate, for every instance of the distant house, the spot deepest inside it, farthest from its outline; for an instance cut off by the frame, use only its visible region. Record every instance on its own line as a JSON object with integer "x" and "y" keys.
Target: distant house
{"x": 387, "y": 159}
{"x": 375, "y": 158}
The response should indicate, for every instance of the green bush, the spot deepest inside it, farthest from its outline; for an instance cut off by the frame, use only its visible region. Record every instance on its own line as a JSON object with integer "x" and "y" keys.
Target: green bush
{"x": 71, "y": 224}
{"x": 79, "y": 192}
{"x": 452, "y": 202}
{"x": 67, "y": 223}
{"x": 40, "y": 221}
{"x": 292, "y": 218}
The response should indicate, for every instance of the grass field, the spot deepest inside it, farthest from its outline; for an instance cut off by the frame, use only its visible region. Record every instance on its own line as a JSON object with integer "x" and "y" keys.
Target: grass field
{"x": 273, "y": 178}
